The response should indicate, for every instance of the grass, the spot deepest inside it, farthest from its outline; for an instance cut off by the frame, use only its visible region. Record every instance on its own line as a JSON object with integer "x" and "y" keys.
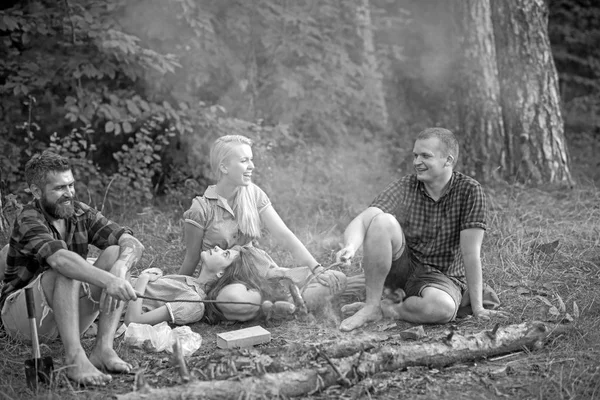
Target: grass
{"x": 542, "y": 250}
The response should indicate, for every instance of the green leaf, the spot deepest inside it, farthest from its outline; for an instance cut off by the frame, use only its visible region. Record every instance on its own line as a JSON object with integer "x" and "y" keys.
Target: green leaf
{"x": 127, "y": 127}
{"x": 133, "y": 108}
{"x": 109, "y": 126}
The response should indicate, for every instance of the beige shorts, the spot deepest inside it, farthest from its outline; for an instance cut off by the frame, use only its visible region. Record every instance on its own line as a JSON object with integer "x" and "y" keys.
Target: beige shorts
{"x": 16, "y": 321}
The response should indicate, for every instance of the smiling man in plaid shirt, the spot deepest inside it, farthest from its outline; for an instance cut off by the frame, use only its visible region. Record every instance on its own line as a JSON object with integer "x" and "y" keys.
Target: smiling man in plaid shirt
{"x": 47, "y": 253}
{"x": 421, "y": 240}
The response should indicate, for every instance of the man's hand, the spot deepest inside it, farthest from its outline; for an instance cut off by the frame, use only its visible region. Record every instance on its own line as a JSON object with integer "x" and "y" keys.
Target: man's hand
{"x": 345, "y": 255}
{"x": 484, "y": 314}
{"x": 117, "y": 290}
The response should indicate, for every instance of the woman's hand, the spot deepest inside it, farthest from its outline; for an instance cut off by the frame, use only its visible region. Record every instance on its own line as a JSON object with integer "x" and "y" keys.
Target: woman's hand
{"x": 327, "y": 278}
{"x": 151, "y": 274}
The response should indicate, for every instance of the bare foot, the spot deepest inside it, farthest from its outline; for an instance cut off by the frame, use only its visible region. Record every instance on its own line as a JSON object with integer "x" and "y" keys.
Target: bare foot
{"x": 352, "y": 307}
{"x": 368, "y": 313}
{"x": 107, "y": 360}
{"x": 83, "y": 372}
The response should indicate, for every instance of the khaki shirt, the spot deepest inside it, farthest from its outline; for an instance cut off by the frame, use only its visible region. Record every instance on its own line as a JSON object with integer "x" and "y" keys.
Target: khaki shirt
{"x": 214, "y": 217}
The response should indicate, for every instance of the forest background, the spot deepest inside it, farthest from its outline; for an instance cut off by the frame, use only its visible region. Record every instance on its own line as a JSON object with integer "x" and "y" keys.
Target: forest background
{"x": 333, "y": 93}
{"x": 135, "y": 92}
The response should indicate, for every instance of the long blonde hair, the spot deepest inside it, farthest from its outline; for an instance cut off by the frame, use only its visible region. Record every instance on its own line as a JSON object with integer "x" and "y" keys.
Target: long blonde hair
{"x": 244, "y": 204}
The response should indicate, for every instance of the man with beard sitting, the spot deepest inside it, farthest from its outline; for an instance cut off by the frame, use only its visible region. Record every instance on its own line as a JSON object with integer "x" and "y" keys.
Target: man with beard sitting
{"x": 47, "y": 252}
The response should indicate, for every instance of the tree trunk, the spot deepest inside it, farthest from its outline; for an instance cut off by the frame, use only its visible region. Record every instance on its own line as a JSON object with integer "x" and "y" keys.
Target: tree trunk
{"x": 373, "y": 83}
{"x": 351, "y": 368}
{"x": 537, "y": 152}
{"x": 481, "y": 131}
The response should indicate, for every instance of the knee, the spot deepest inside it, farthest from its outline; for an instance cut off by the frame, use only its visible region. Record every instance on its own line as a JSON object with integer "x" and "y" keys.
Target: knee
{"x": 239, "y": 293}
{"x": 384, "y": 221}
{"x": 51, "y": 278}
{"x": 440, "y": 309}
{"x": 108, "y": 257}
{"x": 342, "y": 280}
{"x": 384, "y": 225}
{"x": 443, "y": 313}
{"x": 55, "y": 284}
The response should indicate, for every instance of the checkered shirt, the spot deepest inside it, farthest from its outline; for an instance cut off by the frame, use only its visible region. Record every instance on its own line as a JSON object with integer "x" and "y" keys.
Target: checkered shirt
{"x": 432, "y": 228}
{"x": 34, "y": 239}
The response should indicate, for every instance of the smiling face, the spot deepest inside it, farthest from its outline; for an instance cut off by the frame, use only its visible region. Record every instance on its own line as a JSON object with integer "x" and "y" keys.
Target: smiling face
{"x": 57, "y": 194}
{"x": 216, "y": 260}
{"x": 431, "y": 160}
{"x": 237, "y": 168}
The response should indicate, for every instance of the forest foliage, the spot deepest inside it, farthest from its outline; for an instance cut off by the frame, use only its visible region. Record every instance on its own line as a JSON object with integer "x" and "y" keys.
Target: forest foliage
{"x": 126, "y": 88}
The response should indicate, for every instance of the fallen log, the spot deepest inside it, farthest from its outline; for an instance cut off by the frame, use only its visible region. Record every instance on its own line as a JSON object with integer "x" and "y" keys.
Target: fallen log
{"x": 454, "y": 348}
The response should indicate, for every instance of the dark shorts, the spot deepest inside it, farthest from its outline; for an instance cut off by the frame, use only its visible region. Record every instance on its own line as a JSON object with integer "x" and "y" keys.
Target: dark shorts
{"x": 409, "y": 274}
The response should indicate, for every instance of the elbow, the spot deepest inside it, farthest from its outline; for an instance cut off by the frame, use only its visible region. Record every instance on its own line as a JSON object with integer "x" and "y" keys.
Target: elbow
{"x": 129, "y": 240}
{"x": 58, "y": 259}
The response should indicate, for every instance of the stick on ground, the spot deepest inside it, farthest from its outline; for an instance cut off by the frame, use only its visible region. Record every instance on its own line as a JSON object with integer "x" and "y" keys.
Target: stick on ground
{"x": 357, "y": 366}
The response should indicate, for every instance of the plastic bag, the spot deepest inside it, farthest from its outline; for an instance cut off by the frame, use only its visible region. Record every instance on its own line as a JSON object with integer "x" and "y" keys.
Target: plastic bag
{"x": 161, "y": 337}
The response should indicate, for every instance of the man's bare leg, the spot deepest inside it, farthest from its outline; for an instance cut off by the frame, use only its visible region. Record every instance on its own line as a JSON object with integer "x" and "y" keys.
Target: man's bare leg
{"x": 434, "y": 306}
{"x": 103, "y": 356}
{"x": 64, "y": 293}
{"x": 383, "y": 238}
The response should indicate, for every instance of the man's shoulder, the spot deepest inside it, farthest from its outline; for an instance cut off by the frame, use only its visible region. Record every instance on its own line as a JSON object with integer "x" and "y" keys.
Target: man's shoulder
{"x": 30, "y": 214}
{"x": 84, "y": 211}
{"x": 30, "y": 210}
{"x": 465, "y": 181}
{"x": 79, "y": 206}
{"x": 404, "y": 182}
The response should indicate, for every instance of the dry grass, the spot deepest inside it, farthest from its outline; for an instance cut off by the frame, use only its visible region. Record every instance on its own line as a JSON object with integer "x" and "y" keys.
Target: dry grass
{"x": 543, "y": 246}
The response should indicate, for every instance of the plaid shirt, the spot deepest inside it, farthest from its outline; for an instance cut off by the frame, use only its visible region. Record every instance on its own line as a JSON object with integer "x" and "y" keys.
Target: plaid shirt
{"x": 432, "y": 228}
{"x": 34, "y": 239}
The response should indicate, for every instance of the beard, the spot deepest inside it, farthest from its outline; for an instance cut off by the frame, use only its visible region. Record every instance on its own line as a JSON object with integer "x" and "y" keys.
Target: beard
{"x": 60, "y": 209}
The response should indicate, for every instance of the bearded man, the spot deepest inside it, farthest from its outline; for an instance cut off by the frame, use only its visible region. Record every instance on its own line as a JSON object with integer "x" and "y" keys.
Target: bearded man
{"x": 47, "y": 252}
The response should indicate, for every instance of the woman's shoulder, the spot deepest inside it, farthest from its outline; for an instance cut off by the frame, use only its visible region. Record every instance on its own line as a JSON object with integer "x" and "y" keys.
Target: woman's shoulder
{"x": 261, "y": 198}
{"x": 254, "y": 188}
{"x": 201, "y": 206}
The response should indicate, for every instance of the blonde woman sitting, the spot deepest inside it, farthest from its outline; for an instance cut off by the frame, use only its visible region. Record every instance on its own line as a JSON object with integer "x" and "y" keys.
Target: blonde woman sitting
{"x": 233, "y": 211}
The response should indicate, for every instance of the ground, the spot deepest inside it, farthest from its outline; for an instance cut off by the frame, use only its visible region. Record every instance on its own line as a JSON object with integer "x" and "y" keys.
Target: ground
{"x": 541, "y": 254}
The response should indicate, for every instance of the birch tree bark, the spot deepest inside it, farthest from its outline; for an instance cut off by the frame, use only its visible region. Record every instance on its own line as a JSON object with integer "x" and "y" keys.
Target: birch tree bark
{"x": 536, "y": 147}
